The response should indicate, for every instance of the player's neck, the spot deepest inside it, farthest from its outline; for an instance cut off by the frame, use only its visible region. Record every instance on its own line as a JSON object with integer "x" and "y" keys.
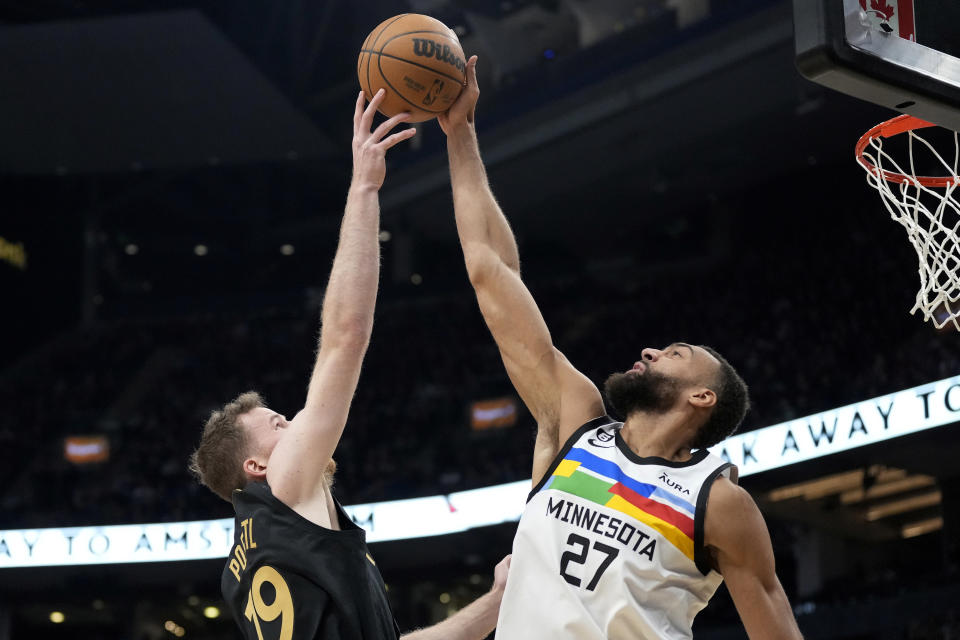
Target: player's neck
{"x": 658, "y": 435}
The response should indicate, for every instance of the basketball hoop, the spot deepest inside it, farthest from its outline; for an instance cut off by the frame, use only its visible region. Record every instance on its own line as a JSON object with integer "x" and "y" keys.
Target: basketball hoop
{"x": 927, "y": 208}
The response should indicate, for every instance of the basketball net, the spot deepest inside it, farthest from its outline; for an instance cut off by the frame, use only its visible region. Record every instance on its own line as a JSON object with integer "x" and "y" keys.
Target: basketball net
{"x": 927, "y": 208}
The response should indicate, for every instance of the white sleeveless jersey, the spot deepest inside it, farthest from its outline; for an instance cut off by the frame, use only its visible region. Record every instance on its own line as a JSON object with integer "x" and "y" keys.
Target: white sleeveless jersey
{"x": 610, "y": 545}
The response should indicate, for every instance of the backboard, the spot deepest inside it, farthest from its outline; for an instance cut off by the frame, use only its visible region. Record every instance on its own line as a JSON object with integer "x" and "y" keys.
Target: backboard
{"x": 901, "y": 54}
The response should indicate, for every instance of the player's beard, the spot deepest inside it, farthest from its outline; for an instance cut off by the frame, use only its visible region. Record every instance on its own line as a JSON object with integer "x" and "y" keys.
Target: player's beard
{"x": 647, "y": 392}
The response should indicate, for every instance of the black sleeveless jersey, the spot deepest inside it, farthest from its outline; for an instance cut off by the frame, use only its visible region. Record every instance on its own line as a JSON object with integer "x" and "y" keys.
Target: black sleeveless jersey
{"x": 290, "y": 579}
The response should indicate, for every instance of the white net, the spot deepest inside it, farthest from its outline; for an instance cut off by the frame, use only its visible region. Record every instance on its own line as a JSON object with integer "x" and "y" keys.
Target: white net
{"x": 928, "y": 210}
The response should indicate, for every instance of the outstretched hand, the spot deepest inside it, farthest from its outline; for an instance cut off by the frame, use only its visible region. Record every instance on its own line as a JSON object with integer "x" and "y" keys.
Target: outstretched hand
{"x": 462, "y": 110}
{"x": 500, "y": 573}
{"x": 370, "y": 149}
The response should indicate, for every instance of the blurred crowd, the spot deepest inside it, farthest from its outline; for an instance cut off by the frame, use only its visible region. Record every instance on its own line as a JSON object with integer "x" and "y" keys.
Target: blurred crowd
{"x": 807, "y": 332}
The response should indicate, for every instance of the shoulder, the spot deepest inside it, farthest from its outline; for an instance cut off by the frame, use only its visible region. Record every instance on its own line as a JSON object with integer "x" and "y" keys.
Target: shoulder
{"x": 727, "y": 496}
{"x": 732, "y": 518}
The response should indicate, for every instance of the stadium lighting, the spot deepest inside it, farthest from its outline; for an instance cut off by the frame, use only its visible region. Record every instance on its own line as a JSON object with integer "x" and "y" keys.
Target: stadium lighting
{"x": 287, "y": 249}
{"x": 211, "y": 612}
{"x": 56, "y": 617}
{"x": 201, "y": 250}
{"x": 887, "y": 489}
{"x": 902, "y": 506}
{"x": 175, "y": 629}
{"x": 131, "y": 249}
{"x": 820, "y": 487}
{"x": 919, "y": 528}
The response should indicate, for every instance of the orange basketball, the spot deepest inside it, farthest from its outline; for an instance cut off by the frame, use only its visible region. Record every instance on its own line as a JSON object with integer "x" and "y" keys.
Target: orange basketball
{"x": 418, "y": 60}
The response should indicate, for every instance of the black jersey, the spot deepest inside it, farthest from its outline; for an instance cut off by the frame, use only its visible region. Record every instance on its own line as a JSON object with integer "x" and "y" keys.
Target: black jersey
{"x": 290, "y": 579}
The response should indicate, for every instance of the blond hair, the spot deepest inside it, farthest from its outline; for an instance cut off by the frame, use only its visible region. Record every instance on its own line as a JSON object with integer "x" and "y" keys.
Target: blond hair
{"x": 218, "y": 461}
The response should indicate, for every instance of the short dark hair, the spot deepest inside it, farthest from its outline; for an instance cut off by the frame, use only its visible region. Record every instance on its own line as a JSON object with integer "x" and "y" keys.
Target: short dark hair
{"x": 218, "y": 461}
{"x": 733, "y": 401}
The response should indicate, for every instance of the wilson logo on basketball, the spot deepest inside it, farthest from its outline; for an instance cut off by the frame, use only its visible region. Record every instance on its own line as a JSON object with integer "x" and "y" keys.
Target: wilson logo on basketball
{"x": 442, "y": 52}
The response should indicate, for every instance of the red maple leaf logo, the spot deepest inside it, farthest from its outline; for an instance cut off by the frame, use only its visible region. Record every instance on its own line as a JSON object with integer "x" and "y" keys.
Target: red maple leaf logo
{"x": 879, "y": 7}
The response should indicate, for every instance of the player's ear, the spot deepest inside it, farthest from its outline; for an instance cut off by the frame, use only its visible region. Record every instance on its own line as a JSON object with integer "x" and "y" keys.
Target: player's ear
{"x": 254, "y": 470}
{"x": 703, "y": 398}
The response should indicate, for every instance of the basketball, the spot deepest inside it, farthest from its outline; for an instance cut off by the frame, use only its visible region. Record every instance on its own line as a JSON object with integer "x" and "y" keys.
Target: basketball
{"x": 418, "y": 60}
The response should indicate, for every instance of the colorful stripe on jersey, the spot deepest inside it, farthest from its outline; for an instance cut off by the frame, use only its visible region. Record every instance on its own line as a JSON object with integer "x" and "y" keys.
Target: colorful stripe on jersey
{"x": 603, "y": 482}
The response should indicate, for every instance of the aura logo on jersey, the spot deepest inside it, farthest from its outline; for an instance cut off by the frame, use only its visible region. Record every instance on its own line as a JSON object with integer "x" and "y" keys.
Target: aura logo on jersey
{"x": 673, "y": 484}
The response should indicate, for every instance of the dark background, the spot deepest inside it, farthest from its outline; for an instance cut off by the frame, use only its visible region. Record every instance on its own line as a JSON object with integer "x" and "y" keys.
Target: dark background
{"x": 668, "y": 173}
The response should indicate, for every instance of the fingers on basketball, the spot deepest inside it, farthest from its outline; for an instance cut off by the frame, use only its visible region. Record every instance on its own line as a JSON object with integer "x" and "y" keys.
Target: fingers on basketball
{"x": 418, "y": 60}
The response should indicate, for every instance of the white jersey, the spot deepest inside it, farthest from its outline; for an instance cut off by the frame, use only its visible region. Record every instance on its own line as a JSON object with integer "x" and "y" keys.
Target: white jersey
{"x": 610, "y": 545}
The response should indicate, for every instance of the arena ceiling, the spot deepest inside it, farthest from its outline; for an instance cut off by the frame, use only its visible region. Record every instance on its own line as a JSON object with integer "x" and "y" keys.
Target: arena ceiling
{"x": 674, "y": 128}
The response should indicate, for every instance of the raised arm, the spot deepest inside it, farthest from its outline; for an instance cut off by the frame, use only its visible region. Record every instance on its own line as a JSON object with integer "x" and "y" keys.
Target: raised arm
{"x": 740, "y": 545}
{"x": 559, "y": 397}
{"x": 296, "y": 467}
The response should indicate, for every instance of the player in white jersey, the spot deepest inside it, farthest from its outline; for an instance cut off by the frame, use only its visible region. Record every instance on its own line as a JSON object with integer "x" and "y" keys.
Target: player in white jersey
{"x": 631, "y": 526}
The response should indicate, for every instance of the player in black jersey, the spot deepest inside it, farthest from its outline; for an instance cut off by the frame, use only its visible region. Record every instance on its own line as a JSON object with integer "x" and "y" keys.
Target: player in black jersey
{"x": 300, "y": 568}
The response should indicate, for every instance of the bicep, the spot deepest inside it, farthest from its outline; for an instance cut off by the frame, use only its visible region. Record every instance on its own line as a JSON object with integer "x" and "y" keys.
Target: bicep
{"x": 296, "y": 465}
{"x": 743, "y": 553}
